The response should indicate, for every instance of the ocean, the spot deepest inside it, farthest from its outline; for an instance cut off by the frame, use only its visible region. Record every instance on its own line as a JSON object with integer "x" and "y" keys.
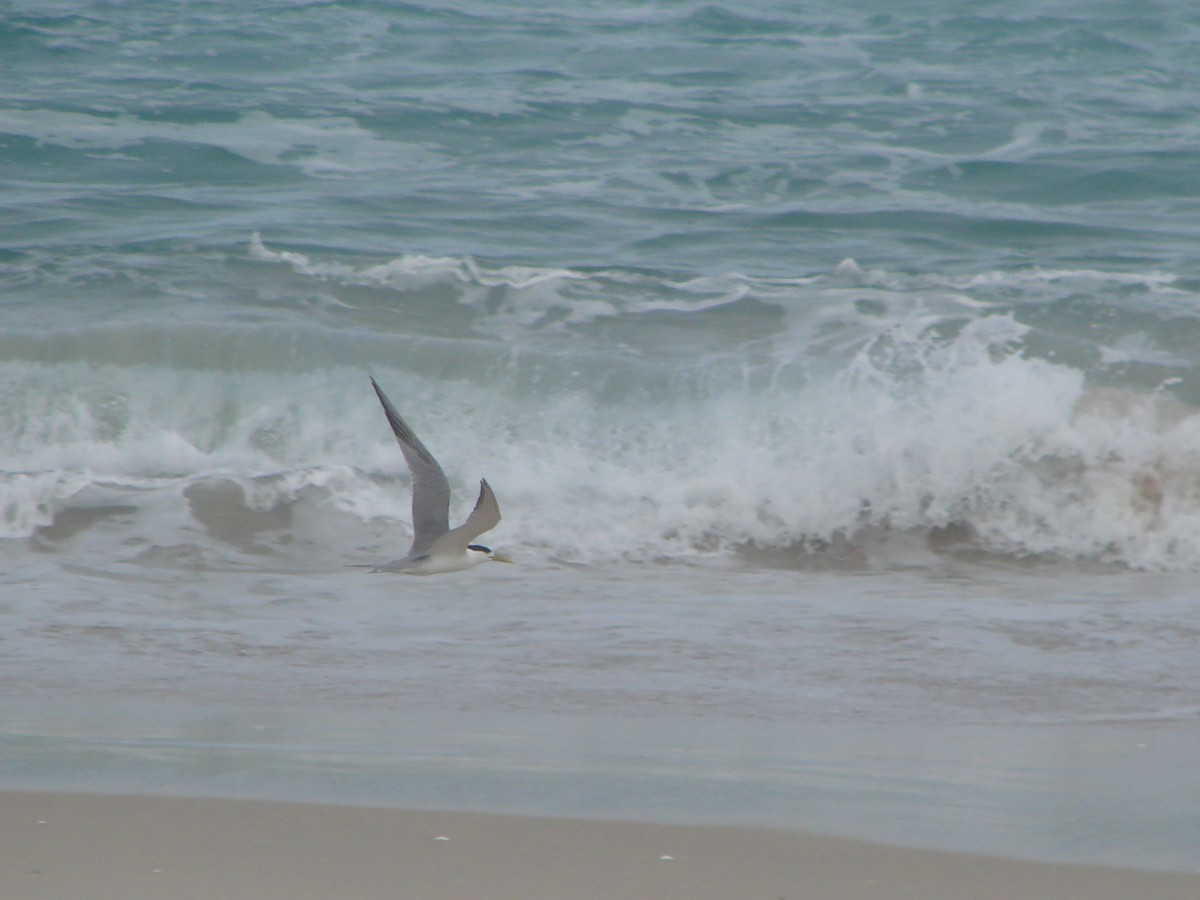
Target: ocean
{"x": 837, "y": 368}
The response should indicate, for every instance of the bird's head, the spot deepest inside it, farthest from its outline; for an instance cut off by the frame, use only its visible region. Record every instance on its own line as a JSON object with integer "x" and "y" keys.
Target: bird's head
{"x": 488, "y": 553}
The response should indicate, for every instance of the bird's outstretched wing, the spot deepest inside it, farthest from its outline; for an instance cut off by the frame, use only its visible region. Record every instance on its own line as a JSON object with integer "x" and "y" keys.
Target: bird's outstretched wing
{"x": 484, "y": 517}
{"x": 431, "y": 490}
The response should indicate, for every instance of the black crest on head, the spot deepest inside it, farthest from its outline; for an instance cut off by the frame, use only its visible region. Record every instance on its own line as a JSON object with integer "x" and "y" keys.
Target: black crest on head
{"x": 479, "y": 547}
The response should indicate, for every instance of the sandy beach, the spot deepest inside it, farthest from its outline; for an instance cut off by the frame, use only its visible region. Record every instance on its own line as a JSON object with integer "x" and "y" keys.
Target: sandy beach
{"x": 131, "y": 847}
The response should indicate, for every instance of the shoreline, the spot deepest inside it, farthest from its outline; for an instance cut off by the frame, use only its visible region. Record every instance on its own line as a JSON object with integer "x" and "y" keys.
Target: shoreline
{"x": 1113, "y": 795}
{"x": 140, "y": 846}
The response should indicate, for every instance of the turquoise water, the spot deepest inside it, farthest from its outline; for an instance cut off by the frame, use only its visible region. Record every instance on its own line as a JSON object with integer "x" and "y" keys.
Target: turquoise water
{"x": 773, "y": 274}
{"x": 832, "y": 363}
{"x": 774, "y": 138}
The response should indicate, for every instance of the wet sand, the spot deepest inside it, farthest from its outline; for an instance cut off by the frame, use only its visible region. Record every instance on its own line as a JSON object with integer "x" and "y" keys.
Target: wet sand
{"x": 134, "y": 847}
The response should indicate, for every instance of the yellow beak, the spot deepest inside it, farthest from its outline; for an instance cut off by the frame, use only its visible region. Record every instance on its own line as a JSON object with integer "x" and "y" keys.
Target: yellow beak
{"x": 500, "y": 557}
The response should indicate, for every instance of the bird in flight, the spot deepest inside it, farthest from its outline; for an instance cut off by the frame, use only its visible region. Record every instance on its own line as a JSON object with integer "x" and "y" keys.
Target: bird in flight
{"x": 436, "y": 548}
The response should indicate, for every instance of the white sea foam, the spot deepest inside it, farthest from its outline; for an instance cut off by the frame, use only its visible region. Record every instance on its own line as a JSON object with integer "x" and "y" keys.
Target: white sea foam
{"x": 920, "y": 430}
{"x": 320, "y": 146}
{"x": 790, "y": 416}
{"x": 515, "y": 299}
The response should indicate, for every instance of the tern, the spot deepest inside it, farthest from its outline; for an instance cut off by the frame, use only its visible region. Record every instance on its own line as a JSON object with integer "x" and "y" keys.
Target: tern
{"x": 436, "y": 548}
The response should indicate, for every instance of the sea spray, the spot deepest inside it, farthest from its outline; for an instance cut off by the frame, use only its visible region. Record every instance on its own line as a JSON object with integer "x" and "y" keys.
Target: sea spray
{"x": 790, "y": 415}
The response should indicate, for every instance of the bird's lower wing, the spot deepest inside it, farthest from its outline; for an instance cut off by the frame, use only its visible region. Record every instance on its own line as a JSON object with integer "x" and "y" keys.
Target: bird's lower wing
{"x": 484, "y": 517}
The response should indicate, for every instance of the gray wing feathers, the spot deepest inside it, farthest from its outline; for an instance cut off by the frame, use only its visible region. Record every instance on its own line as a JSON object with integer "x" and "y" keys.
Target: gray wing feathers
{"x": 484, "y": 517}
{"x": 431, "y": 490}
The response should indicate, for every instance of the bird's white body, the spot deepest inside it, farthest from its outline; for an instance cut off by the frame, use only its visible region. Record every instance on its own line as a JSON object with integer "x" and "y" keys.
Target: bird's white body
{"x": 436, "y": 548}
{"x": 437, "y": 565}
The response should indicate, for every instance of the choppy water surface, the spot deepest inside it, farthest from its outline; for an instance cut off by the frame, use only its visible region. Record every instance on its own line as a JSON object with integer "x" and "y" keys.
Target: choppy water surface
{"x": 832, "y": 365}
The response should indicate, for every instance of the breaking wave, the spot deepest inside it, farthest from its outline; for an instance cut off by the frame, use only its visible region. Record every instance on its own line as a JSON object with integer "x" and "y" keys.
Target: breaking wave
{"x": 789, "y": 422}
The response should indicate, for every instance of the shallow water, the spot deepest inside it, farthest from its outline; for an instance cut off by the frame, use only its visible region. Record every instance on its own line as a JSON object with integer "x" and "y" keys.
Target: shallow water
{"x": 984, "y": 710}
